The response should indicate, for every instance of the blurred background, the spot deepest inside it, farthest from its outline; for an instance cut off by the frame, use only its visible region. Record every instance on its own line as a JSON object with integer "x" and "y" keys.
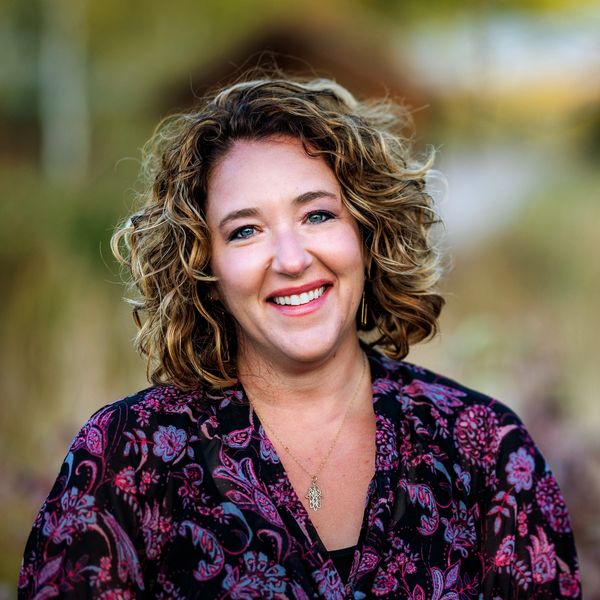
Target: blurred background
{"x": 508, "y": 93}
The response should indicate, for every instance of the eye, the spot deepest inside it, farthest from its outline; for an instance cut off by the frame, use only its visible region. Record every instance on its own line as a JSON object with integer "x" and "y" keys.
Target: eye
{"x": 242, "y": 233}
{"x": 319, "y": 216}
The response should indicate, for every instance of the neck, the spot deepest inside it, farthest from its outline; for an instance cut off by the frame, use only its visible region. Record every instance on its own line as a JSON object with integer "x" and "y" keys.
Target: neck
{"x": 318, "y": 388}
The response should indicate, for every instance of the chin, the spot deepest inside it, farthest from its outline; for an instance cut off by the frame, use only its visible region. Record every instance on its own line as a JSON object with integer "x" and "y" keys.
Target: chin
{"x": 310, "y": 349}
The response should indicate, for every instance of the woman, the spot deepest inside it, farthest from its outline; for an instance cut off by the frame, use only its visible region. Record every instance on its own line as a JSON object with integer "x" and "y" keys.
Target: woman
{"x": 277, "y": 456}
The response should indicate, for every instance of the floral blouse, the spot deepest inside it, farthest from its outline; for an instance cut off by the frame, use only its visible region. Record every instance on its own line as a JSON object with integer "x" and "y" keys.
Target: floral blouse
{"x": 170, "y": 494}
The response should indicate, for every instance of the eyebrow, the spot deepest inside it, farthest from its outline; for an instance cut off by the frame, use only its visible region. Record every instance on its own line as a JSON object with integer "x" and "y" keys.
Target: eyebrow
{"x": 253, "y": 212}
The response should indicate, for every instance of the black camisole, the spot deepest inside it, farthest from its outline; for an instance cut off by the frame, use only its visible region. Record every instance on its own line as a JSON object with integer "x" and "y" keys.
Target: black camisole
{"x": 342, "y": 561}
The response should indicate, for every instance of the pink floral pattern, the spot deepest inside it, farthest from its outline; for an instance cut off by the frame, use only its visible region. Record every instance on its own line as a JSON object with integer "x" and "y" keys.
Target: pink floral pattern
{"x": 543, "y": 557}
{"x": 169, "y": 442}
{"x": 506, "y": 552}
{"x": 476, "y": 435}
{"x": 520, "y": 469}
{"x": 551, "y": 503}
{"x": 170, "y": 494}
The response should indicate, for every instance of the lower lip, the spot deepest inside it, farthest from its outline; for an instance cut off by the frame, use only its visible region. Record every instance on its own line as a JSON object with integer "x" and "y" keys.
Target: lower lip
{"x": 301, "y": 309}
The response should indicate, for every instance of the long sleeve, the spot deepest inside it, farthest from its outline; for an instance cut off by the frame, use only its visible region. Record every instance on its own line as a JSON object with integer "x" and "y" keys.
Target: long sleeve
{"x": 81, "y": 543}
{"x": 527, "y": 541}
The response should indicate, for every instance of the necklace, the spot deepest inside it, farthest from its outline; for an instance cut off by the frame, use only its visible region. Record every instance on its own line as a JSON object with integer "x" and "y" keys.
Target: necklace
{"x": 314, "y": 494}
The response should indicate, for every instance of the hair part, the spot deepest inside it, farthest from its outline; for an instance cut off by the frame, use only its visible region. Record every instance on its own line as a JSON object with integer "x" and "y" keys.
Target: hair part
{"x": 187, "y": 336}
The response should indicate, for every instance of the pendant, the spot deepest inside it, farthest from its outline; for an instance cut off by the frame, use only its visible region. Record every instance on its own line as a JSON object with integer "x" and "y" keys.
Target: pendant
{"x": 314, "y": 495}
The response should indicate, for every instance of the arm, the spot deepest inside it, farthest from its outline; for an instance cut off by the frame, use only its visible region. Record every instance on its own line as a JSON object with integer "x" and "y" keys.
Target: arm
{"x": 82, "y": 542}
{"x": 527, "y": 542}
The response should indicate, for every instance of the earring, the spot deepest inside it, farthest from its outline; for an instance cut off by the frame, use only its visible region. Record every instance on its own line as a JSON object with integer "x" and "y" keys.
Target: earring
{"x": 363, "y": 310}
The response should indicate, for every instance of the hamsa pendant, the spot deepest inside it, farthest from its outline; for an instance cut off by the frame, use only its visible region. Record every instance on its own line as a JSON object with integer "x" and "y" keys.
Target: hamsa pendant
{"x": 314, "y": 495}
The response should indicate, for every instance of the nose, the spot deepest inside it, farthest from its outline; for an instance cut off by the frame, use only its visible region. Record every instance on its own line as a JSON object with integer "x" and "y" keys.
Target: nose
{"x": 290, "y": 255}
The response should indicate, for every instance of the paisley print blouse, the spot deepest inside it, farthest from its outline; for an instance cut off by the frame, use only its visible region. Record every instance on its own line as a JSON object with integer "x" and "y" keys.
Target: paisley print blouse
{"x": 167, "y": 494}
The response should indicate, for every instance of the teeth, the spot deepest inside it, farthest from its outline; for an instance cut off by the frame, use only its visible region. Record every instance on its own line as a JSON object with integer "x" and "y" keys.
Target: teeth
{"x": 299, "y": 299}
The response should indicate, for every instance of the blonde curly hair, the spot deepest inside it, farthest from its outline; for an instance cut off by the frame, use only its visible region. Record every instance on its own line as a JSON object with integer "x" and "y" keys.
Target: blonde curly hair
{"x": 189, "y": 338}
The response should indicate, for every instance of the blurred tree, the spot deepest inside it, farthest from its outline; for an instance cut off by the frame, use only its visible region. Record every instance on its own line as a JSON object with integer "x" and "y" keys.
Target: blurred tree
{"x": 63, "y": 95}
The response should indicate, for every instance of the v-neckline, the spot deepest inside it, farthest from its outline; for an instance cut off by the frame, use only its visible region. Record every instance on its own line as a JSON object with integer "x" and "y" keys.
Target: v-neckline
{"x": 277, "y": 475}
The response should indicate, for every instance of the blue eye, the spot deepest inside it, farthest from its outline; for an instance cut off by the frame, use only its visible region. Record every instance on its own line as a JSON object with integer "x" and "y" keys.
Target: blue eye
{"x": 319, "y": 216}
{"x": 242, "y": 233}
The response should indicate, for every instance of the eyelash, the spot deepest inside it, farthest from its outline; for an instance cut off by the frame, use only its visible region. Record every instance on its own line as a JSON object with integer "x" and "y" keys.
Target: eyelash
{"x": 327, "y": 214}
{"x": 235, "y": 234}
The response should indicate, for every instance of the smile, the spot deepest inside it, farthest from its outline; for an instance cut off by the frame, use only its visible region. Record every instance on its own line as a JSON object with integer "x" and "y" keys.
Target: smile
{"x": 299, "y": 299}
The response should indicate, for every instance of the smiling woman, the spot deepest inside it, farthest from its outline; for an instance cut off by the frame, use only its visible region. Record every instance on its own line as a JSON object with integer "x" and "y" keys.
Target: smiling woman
{"x": 277, "y": 455}
{"x": 287, "y": 256}
{"x": 168, "y": 244}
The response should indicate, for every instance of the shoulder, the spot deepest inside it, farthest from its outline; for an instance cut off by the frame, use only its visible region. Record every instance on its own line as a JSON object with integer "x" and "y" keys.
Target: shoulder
{"x": 417, "y": 386}
{"x": 100, "y": 523}
{"x": 134, "y": 444}
{"x": 150, "y": 433}
{"x": 126, "y": 450}
{"x": 480, "y": 452}
{"x": 465, "y": 424}
{"x": 145, "y": 412}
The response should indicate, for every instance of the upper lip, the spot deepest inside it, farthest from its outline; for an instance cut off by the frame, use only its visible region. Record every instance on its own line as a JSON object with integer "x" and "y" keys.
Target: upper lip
{"x": 291, "y": 291}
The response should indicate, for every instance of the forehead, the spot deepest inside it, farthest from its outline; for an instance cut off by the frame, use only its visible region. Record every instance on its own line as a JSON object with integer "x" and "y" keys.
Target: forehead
{"x": 274, "y": 169}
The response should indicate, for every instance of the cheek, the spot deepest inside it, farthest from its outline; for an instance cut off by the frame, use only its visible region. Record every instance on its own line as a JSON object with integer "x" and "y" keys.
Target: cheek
{"x": 238, "y": 275}
{"x": 347, "y": 251}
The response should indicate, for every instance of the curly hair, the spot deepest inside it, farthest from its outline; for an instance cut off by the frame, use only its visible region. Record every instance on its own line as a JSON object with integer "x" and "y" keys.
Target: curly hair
{"x": 186, "y": 335}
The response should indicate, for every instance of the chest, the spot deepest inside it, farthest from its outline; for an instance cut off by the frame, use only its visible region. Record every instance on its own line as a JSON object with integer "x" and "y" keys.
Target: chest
{"x": 342, "y": 482}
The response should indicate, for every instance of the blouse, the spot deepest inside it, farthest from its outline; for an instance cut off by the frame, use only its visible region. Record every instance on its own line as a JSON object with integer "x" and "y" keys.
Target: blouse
{"x": 172, "y": 494}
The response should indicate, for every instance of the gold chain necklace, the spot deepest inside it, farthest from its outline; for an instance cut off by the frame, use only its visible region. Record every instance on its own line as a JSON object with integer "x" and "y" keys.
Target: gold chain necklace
{"x": 314, "y": 495}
